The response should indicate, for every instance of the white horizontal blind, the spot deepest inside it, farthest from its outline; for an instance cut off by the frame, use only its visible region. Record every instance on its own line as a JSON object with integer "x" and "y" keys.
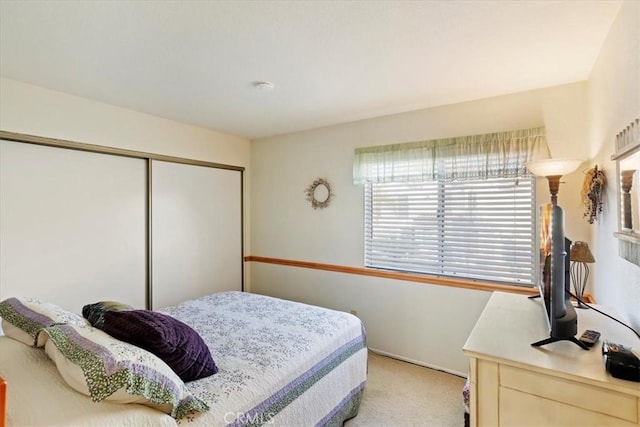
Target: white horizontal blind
{"x": 476, "y": 229}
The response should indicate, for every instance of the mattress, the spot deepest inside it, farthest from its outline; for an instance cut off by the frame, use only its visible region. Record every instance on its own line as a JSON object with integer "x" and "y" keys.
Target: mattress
{"x": 281, "y": 363}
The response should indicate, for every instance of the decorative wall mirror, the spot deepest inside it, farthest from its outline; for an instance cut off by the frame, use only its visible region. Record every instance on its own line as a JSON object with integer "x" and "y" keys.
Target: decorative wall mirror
{"x": 627, "y": 159}
{"x": 319, "y": 193}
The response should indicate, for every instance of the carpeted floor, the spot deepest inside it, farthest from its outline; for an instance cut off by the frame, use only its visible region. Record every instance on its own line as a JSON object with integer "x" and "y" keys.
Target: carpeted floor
{"x": 401, "y": 394}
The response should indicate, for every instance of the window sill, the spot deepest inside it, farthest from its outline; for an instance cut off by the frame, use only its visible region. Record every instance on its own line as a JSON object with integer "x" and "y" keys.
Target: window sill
{"x": 409, "y": 277}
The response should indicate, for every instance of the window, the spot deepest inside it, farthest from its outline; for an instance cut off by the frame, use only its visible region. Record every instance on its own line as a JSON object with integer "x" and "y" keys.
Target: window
{"x": 458, "y": 207}
{"x": 477, "y": 229}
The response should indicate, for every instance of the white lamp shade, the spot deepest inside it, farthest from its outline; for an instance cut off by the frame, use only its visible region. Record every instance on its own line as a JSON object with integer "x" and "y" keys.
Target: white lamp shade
{"x": 553, "y": 167}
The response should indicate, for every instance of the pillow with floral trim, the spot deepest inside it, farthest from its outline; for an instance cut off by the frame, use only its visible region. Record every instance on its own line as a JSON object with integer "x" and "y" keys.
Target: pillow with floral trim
{"x": 104, "y": 368}
{"x": 24, "y": 318}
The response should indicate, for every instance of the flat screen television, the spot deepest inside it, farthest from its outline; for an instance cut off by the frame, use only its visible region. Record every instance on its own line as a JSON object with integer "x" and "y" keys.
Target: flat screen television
{"x": 554, "y": 277}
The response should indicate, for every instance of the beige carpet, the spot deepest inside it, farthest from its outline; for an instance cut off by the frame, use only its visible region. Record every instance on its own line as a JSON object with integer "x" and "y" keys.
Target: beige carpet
{"x": 401, "y": 394}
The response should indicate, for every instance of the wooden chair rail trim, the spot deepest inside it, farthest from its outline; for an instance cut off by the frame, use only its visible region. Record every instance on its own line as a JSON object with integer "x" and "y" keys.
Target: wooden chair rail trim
{"x": 409, "y": 277}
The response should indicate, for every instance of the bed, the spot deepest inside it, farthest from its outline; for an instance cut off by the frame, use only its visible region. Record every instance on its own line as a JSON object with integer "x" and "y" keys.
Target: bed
{"x": 279, "y": 363}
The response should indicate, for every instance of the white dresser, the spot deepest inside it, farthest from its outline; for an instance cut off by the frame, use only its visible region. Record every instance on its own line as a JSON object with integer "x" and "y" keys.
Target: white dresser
{"x": 559, "y": 384}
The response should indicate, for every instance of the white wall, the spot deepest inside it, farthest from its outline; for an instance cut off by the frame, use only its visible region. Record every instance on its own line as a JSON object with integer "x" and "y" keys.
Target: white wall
{"x": 614, "y": 101}
{"x": 424, "y": 323}
{"x": 34, "y": 110}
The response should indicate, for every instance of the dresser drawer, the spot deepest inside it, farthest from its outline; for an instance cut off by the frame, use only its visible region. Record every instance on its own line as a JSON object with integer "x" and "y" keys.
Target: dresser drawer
{"x": 526, "y": 410}
{"x": 594, "y": 399}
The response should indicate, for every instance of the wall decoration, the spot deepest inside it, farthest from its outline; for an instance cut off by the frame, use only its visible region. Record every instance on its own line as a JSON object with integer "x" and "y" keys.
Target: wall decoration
{"x": 592, "y": 188}
{"x": 319, "y": 193}
{"x": 627, "y": 158}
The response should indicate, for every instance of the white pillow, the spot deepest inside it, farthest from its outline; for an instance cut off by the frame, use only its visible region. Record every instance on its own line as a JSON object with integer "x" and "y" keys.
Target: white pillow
{"x": 24, "y": 318}
{"x": 104, "y": 368}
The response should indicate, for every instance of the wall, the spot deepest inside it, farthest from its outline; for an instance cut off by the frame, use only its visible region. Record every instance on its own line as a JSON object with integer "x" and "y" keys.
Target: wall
{"x": 427, "y": 324}
{"x": 34, "y": 110}
{"x": 614, "y": 101}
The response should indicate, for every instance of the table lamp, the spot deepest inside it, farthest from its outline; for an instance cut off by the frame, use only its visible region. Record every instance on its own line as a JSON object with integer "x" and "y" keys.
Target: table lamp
{"x": 580, "y": 255}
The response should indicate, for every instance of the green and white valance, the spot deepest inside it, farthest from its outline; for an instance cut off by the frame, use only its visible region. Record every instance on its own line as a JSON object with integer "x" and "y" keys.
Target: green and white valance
{"x": 492, "y": 155}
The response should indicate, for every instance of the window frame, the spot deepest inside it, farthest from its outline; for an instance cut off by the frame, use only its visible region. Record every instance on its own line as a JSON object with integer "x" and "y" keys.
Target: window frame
{"x": 440, "y": 274}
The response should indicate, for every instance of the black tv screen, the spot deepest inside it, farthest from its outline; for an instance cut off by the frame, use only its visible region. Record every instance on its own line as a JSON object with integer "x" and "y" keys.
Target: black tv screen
{"x": 554, "y": 277}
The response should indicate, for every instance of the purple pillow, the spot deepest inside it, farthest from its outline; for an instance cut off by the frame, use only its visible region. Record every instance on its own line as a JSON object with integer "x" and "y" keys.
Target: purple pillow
{"x": 173, "y": 341}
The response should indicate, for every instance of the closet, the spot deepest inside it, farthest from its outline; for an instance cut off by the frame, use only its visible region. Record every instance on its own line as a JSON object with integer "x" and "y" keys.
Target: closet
{"x": 81, "y": 223}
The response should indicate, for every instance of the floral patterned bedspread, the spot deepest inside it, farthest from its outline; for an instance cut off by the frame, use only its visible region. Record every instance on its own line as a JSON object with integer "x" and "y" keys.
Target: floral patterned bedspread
{"x": 272, "y": 353}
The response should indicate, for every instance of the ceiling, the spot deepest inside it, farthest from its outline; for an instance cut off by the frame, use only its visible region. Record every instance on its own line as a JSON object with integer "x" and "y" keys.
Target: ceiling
{"x": 330, "y": 61}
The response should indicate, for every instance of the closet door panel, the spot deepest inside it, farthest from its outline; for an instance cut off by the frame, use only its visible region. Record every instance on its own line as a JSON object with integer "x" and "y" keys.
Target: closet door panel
{"x": 72, "y": 225}
{"x": 196, "y": 231}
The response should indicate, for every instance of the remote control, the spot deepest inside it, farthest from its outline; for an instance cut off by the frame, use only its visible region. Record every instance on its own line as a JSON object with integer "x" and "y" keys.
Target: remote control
{"x": 589, "y": 337}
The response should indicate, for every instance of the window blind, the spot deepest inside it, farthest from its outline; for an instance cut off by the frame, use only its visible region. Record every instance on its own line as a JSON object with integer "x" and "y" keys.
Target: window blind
{"x": 475, "y": 229}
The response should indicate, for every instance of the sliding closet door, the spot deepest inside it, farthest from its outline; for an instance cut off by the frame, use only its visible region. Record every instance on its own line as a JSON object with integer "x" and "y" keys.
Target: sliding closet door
{"x": 72, "y": 225}
{"x": 196, "y": 231}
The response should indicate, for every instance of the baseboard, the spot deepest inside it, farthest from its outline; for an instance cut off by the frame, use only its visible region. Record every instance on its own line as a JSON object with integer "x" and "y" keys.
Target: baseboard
{"x": 419, "y": 363}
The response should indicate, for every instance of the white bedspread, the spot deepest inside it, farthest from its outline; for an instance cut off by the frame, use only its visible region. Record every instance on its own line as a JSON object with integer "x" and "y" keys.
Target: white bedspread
{"x": 280, "y": 362}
